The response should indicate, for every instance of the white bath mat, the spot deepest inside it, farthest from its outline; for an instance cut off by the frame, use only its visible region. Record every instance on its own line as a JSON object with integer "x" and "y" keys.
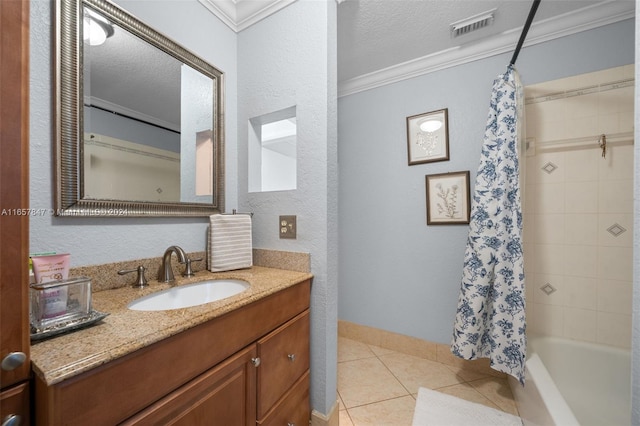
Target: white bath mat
{"x": 438, "y": 409}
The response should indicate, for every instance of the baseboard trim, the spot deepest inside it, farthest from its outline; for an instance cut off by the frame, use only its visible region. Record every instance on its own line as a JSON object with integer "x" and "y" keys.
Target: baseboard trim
{"x": 412, "y": 346}
{"x": 330, "y": 419}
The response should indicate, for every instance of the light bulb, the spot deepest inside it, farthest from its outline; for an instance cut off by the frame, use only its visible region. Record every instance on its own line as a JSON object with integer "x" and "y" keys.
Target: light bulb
{"x": 96, "y": 29}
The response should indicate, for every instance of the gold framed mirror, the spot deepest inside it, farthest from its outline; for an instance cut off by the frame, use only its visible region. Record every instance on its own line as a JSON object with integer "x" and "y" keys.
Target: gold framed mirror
{"x": 139, "y": 119}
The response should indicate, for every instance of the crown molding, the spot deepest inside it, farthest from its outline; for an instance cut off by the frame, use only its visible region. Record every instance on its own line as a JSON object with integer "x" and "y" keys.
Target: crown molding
{"x": 604, "y": 13}
{"x": 241, "y": 14}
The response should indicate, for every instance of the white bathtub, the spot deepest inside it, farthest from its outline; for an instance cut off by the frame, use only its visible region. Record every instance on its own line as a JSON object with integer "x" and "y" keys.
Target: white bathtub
{"x": 574, "y": 383}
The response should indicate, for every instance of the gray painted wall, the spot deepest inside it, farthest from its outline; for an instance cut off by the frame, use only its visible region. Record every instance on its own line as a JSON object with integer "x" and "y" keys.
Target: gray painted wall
{"x": 635, "y": 331}
{"x": 395, "y": 272}
{"x": 289, "y": 60}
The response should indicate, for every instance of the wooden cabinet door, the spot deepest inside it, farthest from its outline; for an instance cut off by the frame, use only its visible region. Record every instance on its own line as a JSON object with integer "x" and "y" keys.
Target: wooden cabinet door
{"x": 224, "y": 395}
{"x": 14, "y": 401}
{"x": 14, "y": 189}
{"x": 284, "y": 358}
{"x": 294, "y": 409}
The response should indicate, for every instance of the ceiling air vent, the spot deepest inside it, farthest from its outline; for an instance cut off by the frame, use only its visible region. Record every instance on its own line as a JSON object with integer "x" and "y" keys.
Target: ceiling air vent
{"x": 472, "y": 23}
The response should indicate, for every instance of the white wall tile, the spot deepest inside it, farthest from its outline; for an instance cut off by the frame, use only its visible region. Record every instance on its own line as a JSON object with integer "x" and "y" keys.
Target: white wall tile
{"x": 614, "y": 329}
{"x": 529, "y": 259}
{"x": 542, "y": 159}
{"x": 616, "y": 100}
{"x": 580, "y": 324}
{"x": 615, "y": 263}
{"x": 550, "y": 228}
{"x": 581, "y": 261}
{"x": 550, "y": 258}
{"x": 581, "y": 197}
{"x": 609, "y": 238}
{"x": 529, "y": 286}
{"x": 555, "y": 298}
{"x": 548, "y": 320}
{"x": 528, "y": 227}
{"x": 615, "y": 296}
{"x": 607, "y": 124}
{"x": 618, "y": 163}
{"x": 580, "y": 292}
{"x": 626, "y": 122}
{"x": 581, "y": 228}
{"x": 549, "y": 198}
{"x": 615, "y": 196}
{"x": 582, "y": 164}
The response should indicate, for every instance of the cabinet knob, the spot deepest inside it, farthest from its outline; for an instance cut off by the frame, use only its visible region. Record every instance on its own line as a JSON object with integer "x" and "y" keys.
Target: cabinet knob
{"x": 291, "y": 424}
{"x": 12, "y": 361}
{"x": 255, "y": 361}
{"x": 11, "y": 420}
{"x": 292, "y": 357}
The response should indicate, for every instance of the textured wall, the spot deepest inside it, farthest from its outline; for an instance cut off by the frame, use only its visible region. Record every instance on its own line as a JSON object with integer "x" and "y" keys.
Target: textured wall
{"x": 395, "y": 272}
{"x": 95, "y": 241}
{"x": 289, "y": 60}
{"x": 635, "y": 332}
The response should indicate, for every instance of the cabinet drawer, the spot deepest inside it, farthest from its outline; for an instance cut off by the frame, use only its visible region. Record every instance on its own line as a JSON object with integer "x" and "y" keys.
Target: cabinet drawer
{"x": 293, "y": 408}
{"x": 224, "y": 395}
{"x": 284, "y": 356}
{"x": 14, "y": 401}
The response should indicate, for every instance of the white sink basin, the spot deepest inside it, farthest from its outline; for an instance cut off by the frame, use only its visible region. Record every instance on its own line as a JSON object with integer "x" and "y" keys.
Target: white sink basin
{"x": 188, "y": 295}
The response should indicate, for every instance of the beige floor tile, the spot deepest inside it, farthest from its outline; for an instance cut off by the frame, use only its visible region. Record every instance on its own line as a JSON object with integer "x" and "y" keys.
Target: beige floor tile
{"x": 378, "y": 386}
{"x": 344, "y": 419}
{"x": 393, "y": 412}
{"x": 365, "y": 381}
{"x": 466, "y": 374}
{"x": 379, "y": 351}
{"x": 498, "y": 391}
{"x": 414, "y": 372}
{"x": 349, "y": 350}
{"x": 467, "y": 392}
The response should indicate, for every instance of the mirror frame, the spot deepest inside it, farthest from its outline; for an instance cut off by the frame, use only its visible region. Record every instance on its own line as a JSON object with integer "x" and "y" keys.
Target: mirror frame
{"x": 69, "y": 121}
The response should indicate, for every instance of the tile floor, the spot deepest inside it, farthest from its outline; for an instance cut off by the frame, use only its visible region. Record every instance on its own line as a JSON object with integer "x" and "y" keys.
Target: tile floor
{"x": 378, "y": 386}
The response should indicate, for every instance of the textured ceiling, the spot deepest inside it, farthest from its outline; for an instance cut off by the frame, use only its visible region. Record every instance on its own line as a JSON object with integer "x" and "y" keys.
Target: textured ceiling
{"x": 147, "y": 71}
{"x": 376, "y": 34}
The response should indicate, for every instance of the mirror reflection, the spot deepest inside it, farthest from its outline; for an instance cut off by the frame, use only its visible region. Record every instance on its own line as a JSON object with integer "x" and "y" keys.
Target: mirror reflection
{"x": 139, "y": 118}
{"x": 137, "y": 129}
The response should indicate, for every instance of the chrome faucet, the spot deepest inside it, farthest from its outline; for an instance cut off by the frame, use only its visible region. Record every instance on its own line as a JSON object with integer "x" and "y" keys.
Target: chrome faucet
{"x": 165, "y": 274}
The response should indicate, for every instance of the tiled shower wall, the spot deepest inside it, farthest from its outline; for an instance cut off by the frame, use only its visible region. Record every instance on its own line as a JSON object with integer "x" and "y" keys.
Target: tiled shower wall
{"x": 578, "y": 209}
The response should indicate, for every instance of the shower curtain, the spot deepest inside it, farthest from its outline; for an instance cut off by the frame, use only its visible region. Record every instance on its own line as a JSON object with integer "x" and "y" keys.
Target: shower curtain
{"x": 490, "y": 319}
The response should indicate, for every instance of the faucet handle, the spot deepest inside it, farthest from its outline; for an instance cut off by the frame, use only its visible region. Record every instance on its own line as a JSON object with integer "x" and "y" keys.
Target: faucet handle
{"x": 141, "y": 280}
{"x": 188, "y": 272}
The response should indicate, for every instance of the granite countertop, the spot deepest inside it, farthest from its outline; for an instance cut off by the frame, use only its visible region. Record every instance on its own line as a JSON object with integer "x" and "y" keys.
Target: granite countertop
{"x": 125, "y": 331}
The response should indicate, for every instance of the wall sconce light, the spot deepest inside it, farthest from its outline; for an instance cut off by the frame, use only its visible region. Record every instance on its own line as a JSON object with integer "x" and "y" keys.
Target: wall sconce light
{"x": 96, "y": 29}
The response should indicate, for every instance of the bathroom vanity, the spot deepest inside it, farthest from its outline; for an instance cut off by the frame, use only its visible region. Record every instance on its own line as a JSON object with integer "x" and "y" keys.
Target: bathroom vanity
{"x": 239, "y": 361}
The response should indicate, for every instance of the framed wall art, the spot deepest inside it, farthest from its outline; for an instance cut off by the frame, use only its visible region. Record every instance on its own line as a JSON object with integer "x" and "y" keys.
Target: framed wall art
{"x": 428, "y": 137}
{"x": 448, "y": 198}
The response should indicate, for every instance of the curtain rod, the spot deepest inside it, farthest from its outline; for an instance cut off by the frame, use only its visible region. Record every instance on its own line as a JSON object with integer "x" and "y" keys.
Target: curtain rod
{"x": 525, "y": 30}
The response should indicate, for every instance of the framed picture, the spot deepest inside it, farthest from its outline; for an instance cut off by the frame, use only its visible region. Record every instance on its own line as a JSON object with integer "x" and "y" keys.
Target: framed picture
{"x": 428, "y": 137}
{"x": 448, "y": 198}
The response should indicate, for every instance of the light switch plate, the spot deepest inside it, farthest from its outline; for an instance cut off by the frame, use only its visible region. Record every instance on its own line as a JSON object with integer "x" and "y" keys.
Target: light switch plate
{"x": 288, "y": 228}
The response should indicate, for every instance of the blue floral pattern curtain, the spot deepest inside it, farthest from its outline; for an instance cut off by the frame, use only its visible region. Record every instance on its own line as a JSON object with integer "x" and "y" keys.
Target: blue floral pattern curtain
{"x": 490, "y": 319}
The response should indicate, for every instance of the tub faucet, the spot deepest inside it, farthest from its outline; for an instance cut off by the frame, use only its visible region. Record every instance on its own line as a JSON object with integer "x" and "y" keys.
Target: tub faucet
{"x": 165, "y": 274}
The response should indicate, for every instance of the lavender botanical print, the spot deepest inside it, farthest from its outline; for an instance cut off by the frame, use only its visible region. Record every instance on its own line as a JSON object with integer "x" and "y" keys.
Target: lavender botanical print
{"x": 490, "y": 319}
